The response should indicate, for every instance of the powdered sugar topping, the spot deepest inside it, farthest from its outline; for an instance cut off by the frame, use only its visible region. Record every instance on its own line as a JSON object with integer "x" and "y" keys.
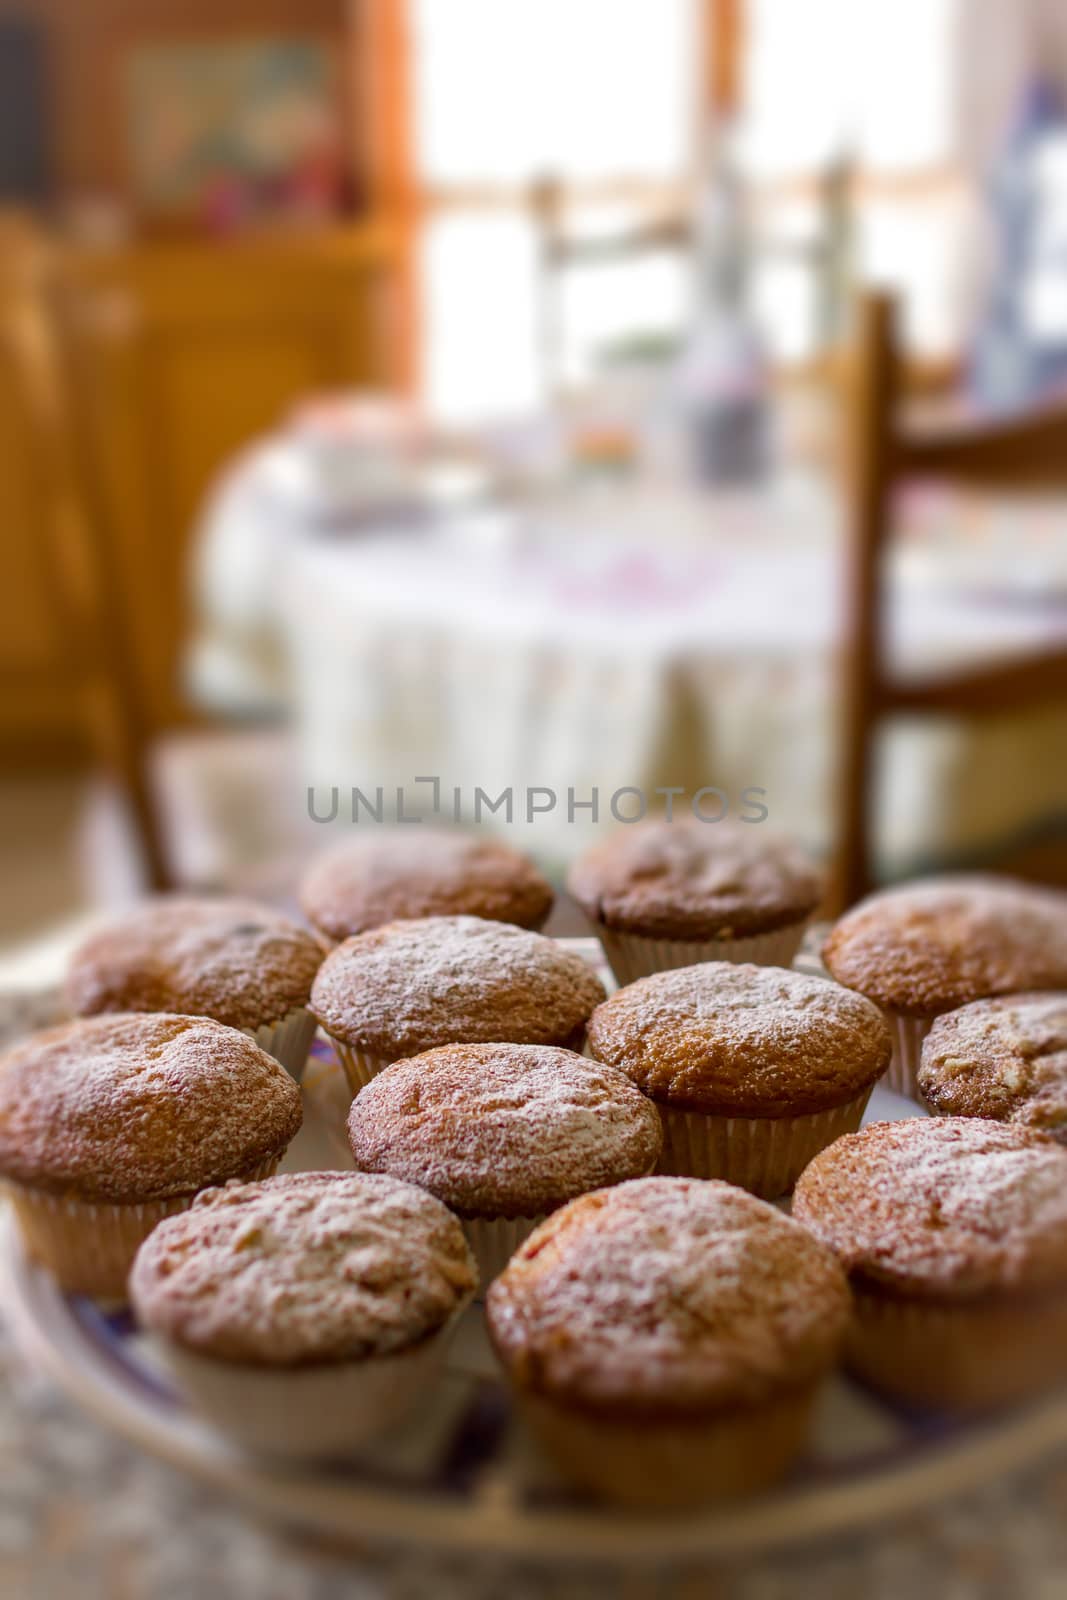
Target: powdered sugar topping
{"x": 942, "y": 1206}
{"x": 931, "y": 946}
{"x": 302, "y": 1269}
{"x": 1004, "y": 1058}
{"x": 735, "y": 1038}
{"x": 504, "y": 1130}
{"x": 409, "y": 986}
{"x": 239, "y": 962}
{"x": 141, "y": 1107}
{"x": 668, "y": 1295}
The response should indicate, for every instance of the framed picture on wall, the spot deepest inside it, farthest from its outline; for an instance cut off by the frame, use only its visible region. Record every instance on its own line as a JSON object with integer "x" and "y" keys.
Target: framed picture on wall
{"x": 233, "y": 133}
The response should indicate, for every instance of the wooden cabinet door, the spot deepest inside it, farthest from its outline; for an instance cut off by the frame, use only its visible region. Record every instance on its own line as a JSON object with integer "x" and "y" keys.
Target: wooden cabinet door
{"x": 40, "y": 718}
{"x": 186, "y": 354}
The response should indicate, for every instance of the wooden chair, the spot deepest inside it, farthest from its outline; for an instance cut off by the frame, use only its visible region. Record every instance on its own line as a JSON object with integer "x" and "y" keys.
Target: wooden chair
{"x": 75, "y": 550}
{"x": 1025, "y": 454}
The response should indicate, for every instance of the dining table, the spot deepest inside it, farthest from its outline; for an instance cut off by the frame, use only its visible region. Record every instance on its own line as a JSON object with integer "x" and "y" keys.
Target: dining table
{"x": 624, "y": 631}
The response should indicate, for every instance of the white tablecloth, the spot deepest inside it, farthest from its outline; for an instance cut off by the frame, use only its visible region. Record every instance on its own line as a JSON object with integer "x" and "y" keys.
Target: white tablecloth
{"x": 625, "y": 637}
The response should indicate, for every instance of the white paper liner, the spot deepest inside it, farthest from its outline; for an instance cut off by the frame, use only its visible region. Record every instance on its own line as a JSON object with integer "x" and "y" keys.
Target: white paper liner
{"x": 288, "y": 1040}
{"x": 494, "y": 1241}
{"x": 965, "y": 1357}
{"x": 764, "y": 1155}
{"x": 908, "y": 1033}
{"x": 89, "y": 1246}
{"x": 359, "y": 1066}
{"x": 672, "y": 1463}
{"x": 309, "y": 1413}
{"x": 631, "y": 956}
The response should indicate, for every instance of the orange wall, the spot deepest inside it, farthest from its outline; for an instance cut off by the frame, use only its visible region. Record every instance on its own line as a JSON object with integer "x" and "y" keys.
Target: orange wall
{"x": 88, "y": 39}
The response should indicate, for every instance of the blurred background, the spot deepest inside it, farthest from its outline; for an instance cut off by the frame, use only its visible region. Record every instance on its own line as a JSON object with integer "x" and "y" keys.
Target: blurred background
{"x": 520, "y": 393}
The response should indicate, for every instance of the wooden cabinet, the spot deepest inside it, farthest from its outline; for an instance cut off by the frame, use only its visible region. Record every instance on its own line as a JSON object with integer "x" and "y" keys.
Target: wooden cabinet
{"x": 40, "y": 720}
{"x": 180, "y": 355}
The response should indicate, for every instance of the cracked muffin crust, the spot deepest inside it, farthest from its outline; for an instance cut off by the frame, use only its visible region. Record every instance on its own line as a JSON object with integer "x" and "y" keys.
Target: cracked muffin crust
{"x": 239, "y": 962}
{"x": 411, "y": 986}
{"x": 377, "y": 878}
{"x": 667, "y": 1298}
{"x": 687, "y": 879}
{"x": 740, "y": 1040}
{"x": 932, "y": 946}
{"x": 499, "y": 1130}
{"x": 129, "y": 1108}
{"x": 942, "y": 1209}
{"x": 1004, "y": 1058}
{"x": 304, "y": 1269}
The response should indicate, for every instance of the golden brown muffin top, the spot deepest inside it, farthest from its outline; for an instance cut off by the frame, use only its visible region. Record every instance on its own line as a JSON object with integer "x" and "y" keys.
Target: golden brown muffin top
{"x": 932, "y": 946}
{"x": 732, "y": 1039}
{"x": 695, "y": 880}
{"x": 942, "y": 1208}
{"x": 1004, "y": 1058}
{"x": 137, "y": 1107}
{"x": 304, "y": 1269}
{"x": 379, "y": 877}
{"x": 411, "y": 986}
{"x": 233, "y": 960}
{"x": 504, "y": 1130}
{"x": 667, "y": 1297}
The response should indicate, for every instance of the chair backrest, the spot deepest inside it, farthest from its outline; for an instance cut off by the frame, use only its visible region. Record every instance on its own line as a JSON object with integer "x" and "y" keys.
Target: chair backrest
{"x": 1027, "y": 454}
{"x": 76, "y": 555}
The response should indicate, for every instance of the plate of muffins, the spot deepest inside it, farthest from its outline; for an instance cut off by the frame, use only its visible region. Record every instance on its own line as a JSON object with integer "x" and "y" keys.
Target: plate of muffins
{"x": 402, "y": 1219}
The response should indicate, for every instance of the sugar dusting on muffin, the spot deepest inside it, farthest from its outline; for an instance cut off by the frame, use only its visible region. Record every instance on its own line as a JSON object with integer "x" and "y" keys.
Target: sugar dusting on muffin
{"x": 742, "y": 1039}
{"x": 666, "y": 1296}
{"x": 304, "y": 1269}
{"x": 1004, "y": 1058}
{"x": 410, "y": 986}
{"x": 929, "y": 947}
{"x": 133, "y": 1107}
{"x": 376, "y": 878}
{"x": 947, "y": 1208}
{"x": 687, "y": 879}
{"x": 504, "y": 1130}
{"x": 235, "y": 960}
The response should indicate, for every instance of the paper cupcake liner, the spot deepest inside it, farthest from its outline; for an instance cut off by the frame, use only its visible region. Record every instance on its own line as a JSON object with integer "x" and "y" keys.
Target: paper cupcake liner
{"x": 89, "y": 1246}
{"x": 494, "y": 1241}
{"x": 764, "y": 1155}
{"x": 309, "y": 1413}
{"x": 631, "y": 956}
{"x": 908, "y": 1034}
{"x": 359, "y": 1066}
{"x": 968, "y": 1357}
{"x": 672, "y": 1464}
{"x": 288, "y": 1041}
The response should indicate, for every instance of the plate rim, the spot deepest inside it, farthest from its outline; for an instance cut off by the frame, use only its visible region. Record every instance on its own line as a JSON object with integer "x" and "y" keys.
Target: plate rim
{"x": 356, "y": 1515}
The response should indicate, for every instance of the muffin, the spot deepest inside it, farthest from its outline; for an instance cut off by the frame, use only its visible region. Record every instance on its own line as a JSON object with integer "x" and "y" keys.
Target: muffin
{"x": 377, "y": 877}
{"x": 753, "y": 1069}
{"x": 411, "y": 986}
{"x": 954, "y": 1235}
{"x": 503, "y": 1134}
{"x": 929, "y": 947}
{"x": 1005, "y": 1059}
{"x": 235, "y": 961}
{"x": 111, "y": 1123}
{"x": 307, "y": 1313}
{"x": 667, "y": 894}
{"x": 666, "y": 1339}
